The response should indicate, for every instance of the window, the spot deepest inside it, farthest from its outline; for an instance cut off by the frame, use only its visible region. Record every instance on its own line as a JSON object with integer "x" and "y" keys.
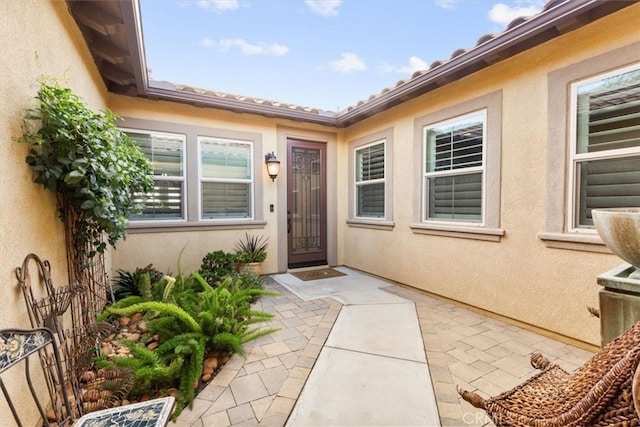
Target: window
{"x": 458, "y": 151}
{"x": 166, "y": 154}
{"x": 370, "y": 181}
{"x": 205, "y": 178}
{"x": 573, "y": 166}
{"x": 226, "y": 178}
{"x": 454, "y": 169}
{"x": 605, "y": 144}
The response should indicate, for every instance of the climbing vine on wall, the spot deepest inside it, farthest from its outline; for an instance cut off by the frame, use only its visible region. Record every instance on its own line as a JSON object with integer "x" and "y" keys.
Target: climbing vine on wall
{"x": 96, "y": 171}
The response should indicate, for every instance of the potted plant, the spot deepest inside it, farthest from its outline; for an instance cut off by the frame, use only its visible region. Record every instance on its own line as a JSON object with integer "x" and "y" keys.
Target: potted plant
{"x": 251, "y": 251}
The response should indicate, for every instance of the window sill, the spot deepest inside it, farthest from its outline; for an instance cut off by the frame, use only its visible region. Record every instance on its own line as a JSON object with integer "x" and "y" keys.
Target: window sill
{"x": 372, "y": 223}
{"x": 462, "y": 232}
{"x": 574, "y": 241}
{"x": 171, "y": 226}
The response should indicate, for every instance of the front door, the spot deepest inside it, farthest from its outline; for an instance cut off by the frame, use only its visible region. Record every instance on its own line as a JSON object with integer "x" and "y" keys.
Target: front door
{"x": 306, "y": 203}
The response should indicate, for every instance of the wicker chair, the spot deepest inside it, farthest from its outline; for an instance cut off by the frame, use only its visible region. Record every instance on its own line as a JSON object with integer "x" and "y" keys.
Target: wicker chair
{"x": 603, "y": 392}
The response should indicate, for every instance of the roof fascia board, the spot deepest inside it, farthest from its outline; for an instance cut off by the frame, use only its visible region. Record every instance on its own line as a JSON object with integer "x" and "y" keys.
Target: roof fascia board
{"x": 131, "y": 18}
{"x": 481, "y": 56}
{"x": 202, "y": 100}
{"x": 412, "y": 88}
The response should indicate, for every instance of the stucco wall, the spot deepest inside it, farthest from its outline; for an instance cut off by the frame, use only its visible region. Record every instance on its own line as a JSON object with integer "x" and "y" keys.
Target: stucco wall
{"x": 37, "y": 38}
{"x": 519, "y": 276}
{"x": 162, "y": 247}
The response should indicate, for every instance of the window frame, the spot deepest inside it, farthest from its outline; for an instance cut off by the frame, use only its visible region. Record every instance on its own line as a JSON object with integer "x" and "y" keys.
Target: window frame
{"x": 573, "y": 195}
{"x": 489, "y": 229}
{"x": 556, "y": 233}
{"x": 454, "y": 172}
{"x": 249, "y": 181}
{"x": 382, "y": 223}
{"x": 182, "y": 178}
{"x": 360, "y": 184}
{"x": 192, "y": 183}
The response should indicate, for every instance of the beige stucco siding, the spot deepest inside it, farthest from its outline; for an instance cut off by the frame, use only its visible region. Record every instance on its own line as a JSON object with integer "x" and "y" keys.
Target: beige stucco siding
{"x": 519, "y": 276}
{"x": 37, "y": 38}
{"x": 162, "y": 247}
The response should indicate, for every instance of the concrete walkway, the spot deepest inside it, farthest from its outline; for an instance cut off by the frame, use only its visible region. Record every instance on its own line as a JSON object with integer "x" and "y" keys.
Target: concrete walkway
{"x": 373, "y": 365}
{"x": 351, "y": 351}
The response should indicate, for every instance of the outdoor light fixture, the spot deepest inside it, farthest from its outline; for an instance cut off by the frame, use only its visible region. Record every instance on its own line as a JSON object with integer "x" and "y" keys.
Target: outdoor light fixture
{"x": 273, "y": 165}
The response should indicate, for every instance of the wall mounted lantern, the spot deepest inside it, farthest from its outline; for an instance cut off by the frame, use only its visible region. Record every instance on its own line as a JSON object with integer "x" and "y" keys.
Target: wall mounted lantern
{"x": 273, "y": 165}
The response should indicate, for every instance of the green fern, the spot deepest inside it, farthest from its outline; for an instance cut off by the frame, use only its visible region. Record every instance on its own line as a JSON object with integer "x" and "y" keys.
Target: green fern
{"x": 160, "y": 307}
{"x": 191, "y": 318}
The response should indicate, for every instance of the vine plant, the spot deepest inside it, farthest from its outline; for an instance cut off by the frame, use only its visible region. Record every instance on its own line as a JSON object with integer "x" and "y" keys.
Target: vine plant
{"x": 96, "y": 171}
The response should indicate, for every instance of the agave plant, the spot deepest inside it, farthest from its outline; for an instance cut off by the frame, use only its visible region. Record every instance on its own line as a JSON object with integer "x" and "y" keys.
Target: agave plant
{"x": 251, "y": 249}
{"x": 139, "y": 282}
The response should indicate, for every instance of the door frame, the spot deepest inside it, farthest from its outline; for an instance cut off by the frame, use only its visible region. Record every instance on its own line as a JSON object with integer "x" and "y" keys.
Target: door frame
{"x": 317, "y": 257}
{"x": 330, "y": 139}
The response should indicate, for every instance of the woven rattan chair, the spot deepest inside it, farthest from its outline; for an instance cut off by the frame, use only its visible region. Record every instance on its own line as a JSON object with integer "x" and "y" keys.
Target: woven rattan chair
{"x": 603, "y": 392}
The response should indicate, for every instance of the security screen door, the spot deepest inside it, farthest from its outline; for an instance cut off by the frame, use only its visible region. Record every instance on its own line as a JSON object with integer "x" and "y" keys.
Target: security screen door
{"x": 306, "y": 203}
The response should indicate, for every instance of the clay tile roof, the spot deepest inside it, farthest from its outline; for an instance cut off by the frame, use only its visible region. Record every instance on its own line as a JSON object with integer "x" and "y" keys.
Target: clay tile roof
{"x": 117, "y": 24}
{"x": 483, "y": 39}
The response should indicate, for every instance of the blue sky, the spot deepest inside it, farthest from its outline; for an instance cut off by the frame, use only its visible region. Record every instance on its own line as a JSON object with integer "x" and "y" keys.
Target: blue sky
{"x": 327, "y": 54}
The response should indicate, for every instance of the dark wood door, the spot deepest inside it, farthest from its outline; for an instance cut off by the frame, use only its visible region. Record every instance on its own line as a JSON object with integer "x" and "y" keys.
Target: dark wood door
{"x": 306, "y": 203}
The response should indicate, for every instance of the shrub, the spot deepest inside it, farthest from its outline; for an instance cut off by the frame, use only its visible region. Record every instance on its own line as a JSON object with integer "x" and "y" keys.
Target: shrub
{"x": 93, "y": 167}
{"x": 191, "y": 319}
{"x": 216, "y": 266}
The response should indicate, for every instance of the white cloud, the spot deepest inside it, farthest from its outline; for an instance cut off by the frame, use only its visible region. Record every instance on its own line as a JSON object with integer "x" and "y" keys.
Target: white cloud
{"x": 219, "y": 5}
{"x": 447, "y": 4}
{"x": 347, "y": 63}
{"x": 414, "y": 64}
{"x": 249, "y": 49}
{"x": 502, "y": 14}
{"x": 324, "y": 7}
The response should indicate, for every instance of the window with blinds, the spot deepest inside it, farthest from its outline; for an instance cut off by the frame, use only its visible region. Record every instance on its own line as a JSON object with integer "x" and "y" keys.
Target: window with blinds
{"x": 454, "y": 168}
{"x": 165, "y": 152}
{"x": 226, "y": 179}
{"x": 606, "y": 153}
{"x": 370, "y": 181}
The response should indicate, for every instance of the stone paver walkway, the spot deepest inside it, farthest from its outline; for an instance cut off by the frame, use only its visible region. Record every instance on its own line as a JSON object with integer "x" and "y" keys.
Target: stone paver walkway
{"x": 464, "y": 348}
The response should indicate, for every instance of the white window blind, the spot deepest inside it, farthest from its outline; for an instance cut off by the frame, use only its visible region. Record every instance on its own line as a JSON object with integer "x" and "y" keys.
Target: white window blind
{"x": 454, "y": 169}
{"x": 607, "y": 144}
{"x": 370, "y": 181}
{"x": 165, "y": 152}
{"x": 226, "y": 178}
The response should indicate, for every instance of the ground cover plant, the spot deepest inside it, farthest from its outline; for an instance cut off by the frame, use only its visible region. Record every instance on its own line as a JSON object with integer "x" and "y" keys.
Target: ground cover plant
{"x": 177, "y": 332}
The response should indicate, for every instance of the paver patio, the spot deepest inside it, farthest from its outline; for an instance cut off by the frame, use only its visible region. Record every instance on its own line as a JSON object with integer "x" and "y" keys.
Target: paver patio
{"x": 463, "y": 347}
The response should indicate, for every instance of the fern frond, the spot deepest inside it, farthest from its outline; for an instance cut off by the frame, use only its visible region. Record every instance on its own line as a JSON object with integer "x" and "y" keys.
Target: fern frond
{"x": 160, "y": 307}
{"x": 124, "y": 302}
{"x": 225, "y": 340}
{"x": 168, "y": 347}
{"x": 252, "y": 334}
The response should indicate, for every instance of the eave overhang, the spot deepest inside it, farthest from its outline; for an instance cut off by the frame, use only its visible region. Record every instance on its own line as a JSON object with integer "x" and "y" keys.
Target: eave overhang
{"x": 113, "y": 32}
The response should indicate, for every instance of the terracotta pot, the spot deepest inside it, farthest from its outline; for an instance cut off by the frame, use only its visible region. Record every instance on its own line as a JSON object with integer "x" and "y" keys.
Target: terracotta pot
{"x": 255, "y": 267}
